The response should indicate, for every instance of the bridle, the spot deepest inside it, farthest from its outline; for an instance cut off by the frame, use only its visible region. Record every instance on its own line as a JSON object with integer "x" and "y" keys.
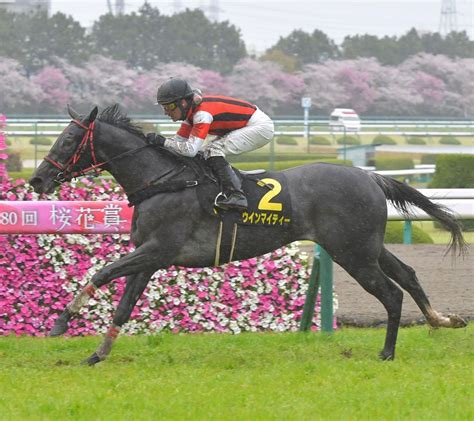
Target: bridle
{"x": 67, "y": 172}
{"x": 67, "y": 169}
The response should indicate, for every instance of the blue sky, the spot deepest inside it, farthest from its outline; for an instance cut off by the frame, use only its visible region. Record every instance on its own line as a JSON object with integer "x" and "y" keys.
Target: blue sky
{"x": 262, "y": 22}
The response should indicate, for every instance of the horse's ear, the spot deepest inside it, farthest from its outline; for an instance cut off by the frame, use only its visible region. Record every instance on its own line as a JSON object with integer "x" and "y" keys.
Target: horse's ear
{"x": 93, "y": 114}
{"x": 74, "y": 115}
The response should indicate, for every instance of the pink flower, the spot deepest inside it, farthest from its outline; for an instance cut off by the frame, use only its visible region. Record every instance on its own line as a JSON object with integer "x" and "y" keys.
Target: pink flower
{"x": 37, "y": 283}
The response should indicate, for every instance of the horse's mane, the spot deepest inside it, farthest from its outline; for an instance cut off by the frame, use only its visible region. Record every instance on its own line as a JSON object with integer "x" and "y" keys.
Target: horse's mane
{"x": 116, "y": 117}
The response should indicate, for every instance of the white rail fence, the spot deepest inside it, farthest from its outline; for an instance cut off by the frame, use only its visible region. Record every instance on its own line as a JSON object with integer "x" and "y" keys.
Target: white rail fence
{"x": 460, "y": 201}
{"x": 53, "y": 127}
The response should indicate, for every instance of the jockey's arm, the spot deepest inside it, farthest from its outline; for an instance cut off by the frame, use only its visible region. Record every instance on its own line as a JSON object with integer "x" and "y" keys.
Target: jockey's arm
{"x": 190, "y": 138}
{"x": 184, "y": 146}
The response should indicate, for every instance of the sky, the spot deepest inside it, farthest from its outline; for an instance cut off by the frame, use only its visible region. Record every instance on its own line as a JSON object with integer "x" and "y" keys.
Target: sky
{"x": 263, "y": 22}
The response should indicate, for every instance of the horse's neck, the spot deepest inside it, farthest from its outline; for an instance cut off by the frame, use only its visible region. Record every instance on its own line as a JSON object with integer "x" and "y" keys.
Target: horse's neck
{"x": 135, "y": 170}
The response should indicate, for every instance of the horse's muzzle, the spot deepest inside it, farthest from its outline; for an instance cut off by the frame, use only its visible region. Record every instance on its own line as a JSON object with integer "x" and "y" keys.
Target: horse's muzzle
{"x": 36, "y": 183}
{"x": 40, "y": 186}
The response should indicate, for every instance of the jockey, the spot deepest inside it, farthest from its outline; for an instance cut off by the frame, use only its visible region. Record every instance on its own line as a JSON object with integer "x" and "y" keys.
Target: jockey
{"x": 238, "y": 126}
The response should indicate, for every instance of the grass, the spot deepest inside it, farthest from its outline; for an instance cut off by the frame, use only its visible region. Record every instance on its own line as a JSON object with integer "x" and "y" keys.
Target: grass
{"x": 249, "y": 376}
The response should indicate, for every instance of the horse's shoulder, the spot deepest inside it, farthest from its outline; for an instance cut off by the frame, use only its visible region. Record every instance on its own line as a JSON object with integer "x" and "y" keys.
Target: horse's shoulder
{"x": 197, "y": 164}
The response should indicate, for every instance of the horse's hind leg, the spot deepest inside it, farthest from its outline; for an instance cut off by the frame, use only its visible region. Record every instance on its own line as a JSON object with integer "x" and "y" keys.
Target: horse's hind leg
{"x": 405, "y": 276}
{"x": 371, "y": 277}
{"x": 136, "y": 284}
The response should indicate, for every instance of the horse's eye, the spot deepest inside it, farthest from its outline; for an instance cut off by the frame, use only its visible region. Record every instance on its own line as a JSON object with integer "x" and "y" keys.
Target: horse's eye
{"x": 68, "y": 140}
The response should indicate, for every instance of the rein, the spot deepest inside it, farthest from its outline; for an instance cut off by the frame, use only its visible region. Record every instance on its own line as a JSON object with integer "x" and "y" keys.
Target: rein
{"x": 66, "y": 169}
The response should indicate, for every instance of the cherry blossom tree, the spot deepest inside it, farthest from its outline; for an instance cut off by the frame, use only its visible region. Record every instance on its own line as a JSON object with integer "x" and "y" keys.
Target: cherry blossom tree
{"x": 100, "y": 81}
{"x": 3, "y": 147}
{"x": 423, "y": 85}
{"x": 342, "y": 83}
{"x": 431, "y": 90}
{"x": 396, "y": 95}
{"x": 457, "y": 76}
{"x": 213, "y": 83}
{"x": 320, "y": 86}
{"x": 462, "y": 82}
{"x": 265, "y": 84}
{"x": 19, "y": 94}
{"x": 358, "y": 81}
{"x": 54, "y": 85}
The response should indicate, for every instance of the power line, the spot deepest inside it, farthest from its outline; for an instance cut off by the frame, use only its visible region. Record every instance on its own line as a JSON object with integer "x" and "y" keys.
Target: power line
{"x": 448, "y": 20}
{"x": 177, "y": 6}
{"x": 119, "y": 7}
{"x": 214, "y": 10}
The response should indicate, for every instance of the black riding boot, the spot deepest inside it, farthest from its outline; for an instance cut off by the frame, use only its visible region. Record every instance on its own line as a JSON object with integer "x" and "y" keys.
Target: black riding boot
{"x": 233, "y": 197}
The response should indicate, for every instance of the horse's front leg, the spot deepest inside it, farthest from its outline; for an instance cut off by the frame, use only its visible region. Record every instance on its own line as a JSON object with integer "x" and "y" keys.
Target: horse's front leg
{"x": 144, "y": 258}
{"x": 136, "y": 284}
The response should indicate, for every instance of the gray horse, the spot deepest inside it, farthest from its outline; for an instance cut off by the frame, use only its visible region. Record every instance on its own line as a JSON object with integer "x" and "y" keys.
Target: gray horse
{"x": 341, "y": 208}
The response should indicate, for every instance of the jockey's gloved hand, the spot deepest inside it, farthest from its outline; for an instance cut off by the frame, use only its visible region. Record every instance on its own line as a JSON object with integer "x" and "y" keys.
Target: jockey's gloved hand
{"x": 155, "y": 139}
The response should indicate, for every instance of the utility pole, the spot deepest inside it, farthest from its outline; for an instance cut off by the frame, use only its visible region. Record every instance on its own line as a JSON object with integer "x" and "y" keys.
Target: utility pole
{"x": 177, "y": 6}
{"x": 448, "y": 20}
{"x": 214, "y": 10}
{"x": 119, "y": 7}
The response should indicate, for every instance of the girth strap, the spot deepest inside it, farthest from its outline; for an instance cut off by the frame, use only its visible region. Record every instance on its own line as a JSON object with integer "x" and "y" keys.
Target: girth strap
{"x": 225, "y": 244}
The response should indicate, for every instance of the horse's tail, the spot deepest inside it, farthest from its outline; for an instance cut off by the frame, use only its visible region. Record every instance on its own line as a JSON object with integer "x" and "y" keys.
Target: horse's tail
{"x": 403, "y": 197}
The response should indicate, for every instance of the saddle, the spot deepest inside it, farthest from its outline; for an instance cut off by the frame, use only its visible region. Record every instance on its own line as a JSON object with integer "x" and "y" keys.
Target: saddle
{"x": 269, "y": 200}
{"x": 177, "y": 179}
{"x": 268, "y": 197}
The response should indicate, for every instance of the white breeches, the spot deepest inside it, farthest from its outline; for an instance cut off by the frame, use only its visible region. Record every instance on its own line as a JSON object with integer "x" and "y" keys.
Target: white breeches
{"x": 257, "y": 133}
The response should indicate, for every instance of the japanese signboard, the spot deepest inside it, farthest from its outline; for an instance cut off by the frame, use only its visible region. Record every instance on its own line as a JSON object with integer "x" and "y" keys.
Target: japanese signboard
{"x": 64, "y": 217}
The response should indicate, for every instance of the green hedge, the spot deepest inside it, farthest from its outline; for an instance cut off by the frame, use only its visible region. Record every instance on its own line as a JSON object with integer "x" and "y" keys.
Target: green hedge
{"x": 449, "y": 140}
{"x": 416, "y": 141}
{"x": 394, "y": 234}
{"x": 14, "y": 162}
{"x": 319, "y": 140}
{"x": 286, "y": 140}
{"x": 455, "y": 171}
{"x": 428, "y": 159}
{"x": 25, "y": 174}
{"x": 41, "y": 140}
{"x": 382, "y": 139}
{"x": 283, "y": 165}
{"x": 394, "y": 163}
{"x": 261, "y": 157}
{"x": 348, "y": 140}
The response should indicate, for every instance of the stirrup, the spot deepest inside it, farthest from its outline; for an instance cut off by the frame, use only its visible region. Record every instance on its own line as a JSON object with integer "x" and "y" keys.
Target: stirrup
{"x": 219, "y": 195}
{"x": 227, "y": 206}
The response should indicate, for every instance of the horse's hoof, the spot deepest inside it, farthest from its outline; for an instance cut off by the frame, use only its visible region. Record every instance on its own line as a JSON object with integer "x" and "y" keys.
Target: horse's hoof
{"x": 61, "y": 325}
{"x": 92, "y": 360}
{"x": 387, "y": 356}
{"x": 456, "y": 321}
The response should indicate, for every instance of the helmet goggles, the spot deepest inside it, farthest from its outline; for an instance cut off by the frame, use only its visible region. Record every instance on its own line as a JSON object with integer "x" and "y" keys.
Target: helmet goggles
{"x": 169, "y": 107}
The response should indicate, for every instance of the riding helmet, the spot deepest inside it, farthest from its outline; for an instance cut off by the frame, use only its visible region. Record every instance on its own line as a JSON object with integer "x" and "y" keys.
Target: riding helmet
{"x": 172, "y": 90}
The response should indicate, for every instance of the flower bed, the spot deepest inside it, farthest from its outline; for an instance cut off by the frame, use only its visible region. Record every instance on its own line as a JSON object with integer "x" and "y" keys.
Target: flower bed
{"x": 41, "y": 273}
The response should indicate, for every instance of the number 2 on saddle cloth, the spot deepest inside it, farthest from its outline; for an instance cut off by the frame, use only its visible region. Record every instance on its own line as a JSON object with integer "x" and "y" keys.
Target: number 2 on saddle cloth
{"x": 269, "y": 205}
{"x": 269, "y": 202}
